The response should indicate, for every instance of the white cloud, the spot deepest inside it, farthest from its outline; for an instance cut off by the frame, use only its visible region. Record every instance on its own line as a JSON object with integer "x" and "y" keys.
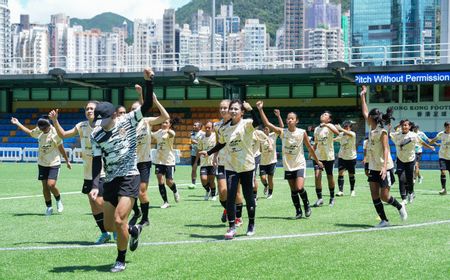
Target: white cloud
{"x": 40, "y": 10}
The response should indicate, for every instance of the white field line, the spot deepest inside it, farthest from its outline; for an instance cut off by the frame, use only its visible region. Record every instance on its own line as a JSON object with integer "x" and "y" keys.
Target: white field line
{"x": 183, "y": 242}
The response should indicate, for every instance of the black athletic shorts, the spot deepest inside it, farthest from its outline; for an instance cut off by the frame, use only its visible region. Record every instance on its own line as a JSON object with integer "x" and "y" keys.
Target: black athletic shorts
{"x": 207, "y": 170}
{"x": 407, "y": 167}
{"x": 220, "y": 172}
{"x": 348, "y": 165}
{"x": 167, "y": 170}
{"x": 121, "y": 186}
{"x": 327, "y": 164}
{"x": 144, "y": 170}
{"x": 289, "y": 175}
{"x": 87, "y": 186}
{"x": 444, "y": 164}
{"x": 374, "y": 176}
{"x": 418, "y": 156}
{"x": 366, "y": 166}
{"x": 267, "y": 169}
{"x": 193, "y": 161}
{"x": 48, "y": 172}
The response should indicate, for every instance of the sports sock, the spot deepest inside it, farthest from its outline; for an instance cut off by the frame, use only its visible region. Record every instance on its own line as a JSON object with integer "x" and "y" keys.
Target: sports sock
{"x": 136, "y": 207}
{"x": 206, "y": 187}
{"x": 48, "y": 203}
{"x": 380, "y": 209}
{"x": 341, "y": 183}
{"x": 255, "y": 194}
{"x": 173, "y": 188}
{"x": 295, "y": 200}
{"x": 270, "y": 191}
{"x": 319, "y": 193}
{"x": 58, "y": 198}
{"x": 99, "y": 220}
{"x": 193, "y": 181}
{"x": 251, "y": 214}
{"x": 162, "y": 191}
{"x": 392, "y": 201}
{"x": 352, "y": 183}
{"x": 213, "y": 192}
{"x": 443, "y": 181}
{"x": 121, "y": 256}
{"x": 332, "y": 193}
{"x": 144, "y": 209}
{"x": 224, "y": 204}
{"x": 304, "y": 196}
{"x": 239, "y": 210}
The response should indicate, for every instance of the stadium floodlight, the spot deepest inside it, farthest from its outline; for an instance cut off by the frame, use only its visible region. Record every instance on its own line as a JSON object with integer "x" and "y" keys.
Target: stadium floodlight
{"x": 339, "y": 68}
{"x": 59, "y": 74}
{"x": 191, "y": 72}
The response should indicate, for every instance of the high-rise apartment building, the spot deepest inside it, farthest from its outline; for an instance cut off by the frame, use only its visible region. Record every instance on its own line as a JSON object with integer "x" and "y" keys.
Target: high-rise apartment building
{"x": 255, "y": 41}
{"x": 324, "y": 45}
{"x": 445, "y": 32}
{"x": 30, "y": 49}
{"x": 5, "y": 37}
{"x": 200, "y": 19}
{"x": 294, "y": 23}
{"x": 169, "y": 38}
{"x": 58, "y": 27}
{"x": 323, "y": 14}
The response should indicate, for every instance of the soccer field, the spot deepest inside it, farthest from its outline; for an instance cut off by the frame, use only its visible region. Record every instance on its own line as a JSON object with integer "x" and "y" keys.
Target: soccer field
{"x": 186, "y": 240}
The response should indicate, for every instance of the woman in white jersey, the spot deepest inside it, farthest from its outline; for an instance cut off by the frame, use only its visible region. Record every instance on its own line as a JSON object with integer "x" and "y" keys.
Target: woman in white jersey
{"x": 143, "y": 151}
{"x": 84, "y": 130}
{"x": 425, "y": 139}
{"x": 324, "y": 148}
{"x": 206, "y": 142}
{"x": 381, "y": 175}
{"x": 49, "y": 161}
{"x": 236, "y": 136}
{"x": 294, "y": 162}
{"x": 268, "y": 161}
{"x": 259, "y": 139}
{"x": 366, "y": 156}
{"x": 405, "y": 142}
{"x": 219, "y": 161}
{"x": 165, "y": 160}
{"x": 444, "y": 154}
{"x": 346, "y": 156}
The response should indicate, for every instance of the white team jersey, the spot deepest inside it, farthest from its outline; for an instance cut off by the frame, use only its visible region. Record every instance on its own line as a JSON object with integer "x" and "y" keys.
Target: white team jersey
{"x": 323, "y": 138}
{"x": 347, "y": 151}
{"x": 424, "y": 138}
{"x": 444, "y": 150}
{"x": 375, "y": 150}
{"x": 269, "y": 150}
{"x": 206, "y": 143}
{"x": 221, "y": 155}
{"x": 259, "y": 138}
{"x": 144, "y": 140}
{"x": 165, "y": 155}
{"x": 48, "y": 147}
{"x": 85, "y": 130}
{"x": 405, "y": 145}
{"x": 195, "y": 136}
{"x": 118, "y": 146}
{"x": 293, "y": 154}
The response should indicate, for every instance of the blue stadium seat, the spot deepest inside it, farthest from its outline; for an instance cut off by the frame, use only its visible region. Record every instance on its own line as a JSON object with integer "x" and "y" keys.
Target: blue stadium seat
{"x": 434, "y": 157}
{"x": 426, "y": 157}
{"x": 360, "y": 149}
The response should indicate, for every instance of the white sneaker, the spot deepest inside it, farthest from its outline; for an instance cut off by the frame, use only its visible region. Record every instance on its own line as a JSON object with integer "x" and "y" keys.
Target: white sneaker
{"x": 165, "y": 205}
{"x": 176, "y": 196}
{"x": 420, "y": 179}
{"x": 231, "y": 232}
{"x": 214, "y": 198}
{"x": 411, "y": 197}
{"x": 339, "y": 193}
{"x": 382, "y": 224}
{"x": 404, "y": 202}
{"x": 318, "y": 203}
{"x": 269, "y": 196}
{"x": 353, "y": 193}
{"x": 403, "y": 213}
{"x": 59, "y": 206}
{"x": 49, "y": 211}
{"x": 207, "y": 195}
{"x": 118, "y": 267}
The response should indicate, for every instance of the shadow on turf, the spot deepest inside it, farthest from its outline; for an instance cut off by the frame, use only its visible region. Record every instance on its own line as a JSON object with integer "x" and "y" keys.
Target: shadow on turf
{"x": 214, "y": 237}
{"x": 277, "y": 218}
{"x": 205, "y": 226}
{"x": 82, "y": 243}
{"x": 28, "y": 214}
{"x": 354, "y": 225}
{"x": 85, "y": 268}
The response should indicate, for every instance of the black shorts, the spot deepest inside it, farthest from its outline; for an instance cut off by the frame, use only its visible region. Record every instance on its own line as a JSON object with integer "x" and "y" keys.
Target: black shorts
{"x": 257, "y": 162}
{"x": 144, "y": 170}
{"x": 167, "y": 170}
{"x": 444, "y": 164}
{"x": 327, "y": 164}
{"x": 220, "y": 172}
{"x": 289, "y": 175}
{"x": 267, "y": 169}
{"x": 374, "y": 176}
{"x": 193, "y": 160}
{"x": 418, "y": 156}
{"x": 87, "y": 187}
{"x": 48, "y": 172}
{"x": 366, "y": 166}
{"x": 407, "y": 167}
{"x": 121, "y": 186}
{"x": 207, "y": 170}
{"x": 348, "y": 165}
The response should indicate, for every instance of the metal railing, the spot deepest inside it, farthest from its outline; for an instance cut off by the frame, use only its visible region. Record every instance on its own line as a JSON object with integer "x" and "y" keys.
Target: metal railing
{"x": 235, "y": 60}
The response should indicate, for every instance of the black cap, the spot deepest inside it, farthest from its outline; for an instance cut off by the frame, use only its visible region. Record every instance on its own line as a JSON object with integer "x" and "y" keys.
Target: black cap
{"x": 43, "y": 122}
{"x": 103, "y": 113}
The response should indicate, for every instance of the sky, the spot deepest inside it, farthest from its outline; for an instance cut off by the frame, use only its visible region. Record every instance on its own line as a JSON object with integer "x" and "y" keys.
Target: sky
{"x": 40, "y": 10}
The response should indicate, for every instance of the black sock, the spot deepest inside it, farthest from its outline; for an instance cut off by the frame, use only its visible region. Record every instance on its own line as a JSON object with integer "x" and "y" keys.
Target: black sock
{"x": 319, "y": 193}
{"x": 270, "y": 191}
{"x": 266, "y": 185}
{"x": 304, "y": 195}
{"x": 332, "y": 193}
{"x": 162, "y": 191}
{"x": 48, "y": 203}
{"x": 380, "y": 209}
{"x": 255, "y": 194}
{"x": 402, "y": 185}
{"x": 392, "y": 201}
{"x": 352, "y": 183}
{"x": 136, "y": 207}
{"x": 341, "y": 183}
{"x": 213, "y": 192}
{"x": 58, "y": 198}
{"x": 295, "y": 200}
{"x": 121, "y": 256}
{"x": 99, "y": 220}
{"x": 174, "y": 188}
{"x": 144, "y": 208}
{"x": 224, "y": 204}
{"x": 193, "y": 181}
{"x": 443, "y": 181}
{"x": 239, "y": 210}
{"x": 206, "y": 187}
{"x": 251, "y": 214}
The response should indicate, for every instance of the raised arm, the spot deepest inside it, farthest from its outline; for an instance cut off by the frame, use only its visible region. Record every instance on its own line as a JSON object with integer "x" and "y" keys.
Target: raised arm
{"x": 153, "y": 120}
{"x": 423, "y": 143}
{"x": 255, "y": 118}
{"x": 264, "y": 119}
{"x": 21, "y": 126}
{"x": 365, "y": 110}
{"x": 346, "y": 132}
{"x": 53, "y": 115}
{"x": 331, "y": 127}
{"x": 278, "y": 115}
{"x": 138, "y": 89}
{"x": 148, "y": 98}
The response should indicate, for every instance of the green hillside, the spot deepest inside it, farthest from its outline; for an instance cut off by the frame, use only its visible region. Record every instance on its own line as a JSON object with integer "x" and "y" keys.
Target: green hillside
{"x": 105, "y": 22}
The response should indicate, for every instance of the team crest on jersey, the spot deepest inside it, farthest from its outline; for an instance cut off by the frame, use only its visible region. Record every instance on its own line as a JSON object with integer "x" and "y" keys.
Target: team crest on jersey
{"x": 122, "y": 132}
